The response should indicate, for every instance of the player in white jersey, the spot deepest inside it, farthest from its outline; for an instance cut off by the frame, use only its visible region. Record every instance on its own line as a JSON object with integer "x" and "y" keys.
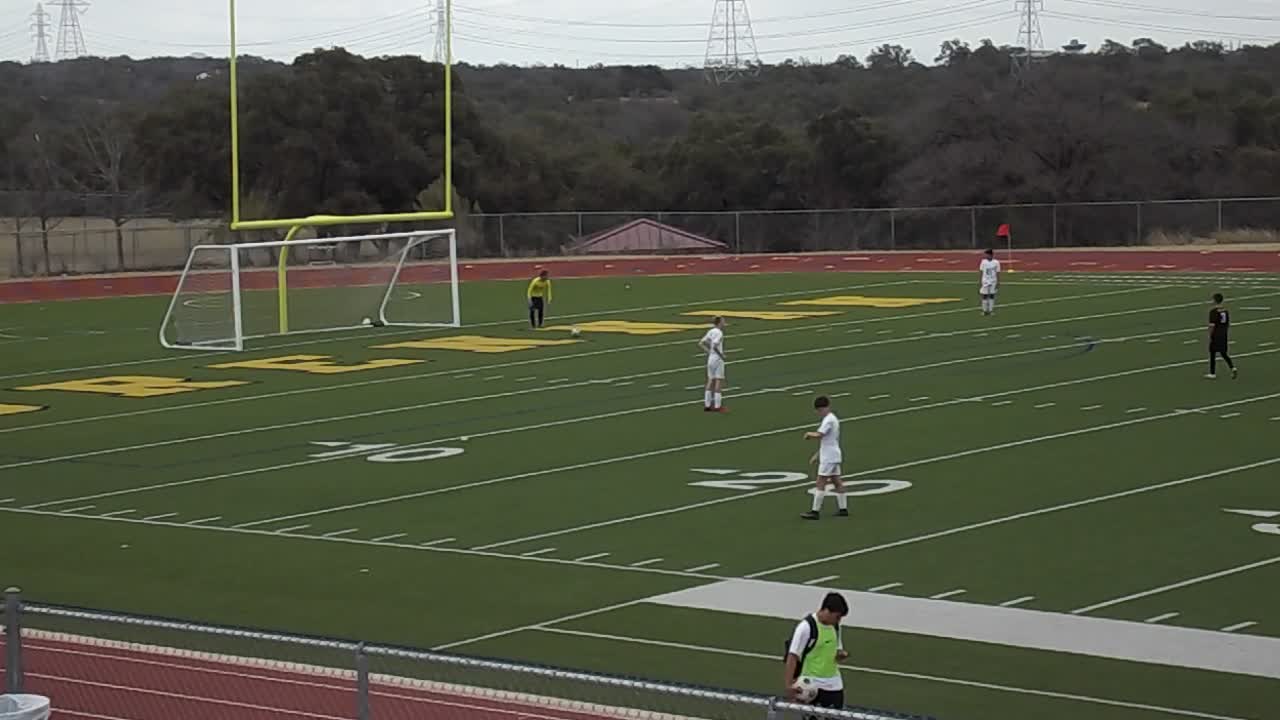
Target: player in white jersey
{"x": 990, "y": 271}
{"x": 828, "y": 459}
{"x": 713, "y": 345}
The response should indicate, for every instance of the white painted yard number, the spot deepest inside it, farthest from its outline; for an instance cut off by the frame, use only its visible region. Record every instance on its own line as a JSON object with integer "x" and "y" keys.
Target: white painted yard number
{"x": 414, "y": 454}
{"x": 759, "y": 480}
{"x": 1264, "y": 528}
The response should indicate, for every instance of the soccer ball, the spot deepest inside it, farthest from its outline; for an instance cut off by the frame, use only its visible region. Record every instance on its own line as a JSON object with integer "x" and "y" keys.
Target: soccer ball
{"x": 575, "y": 332}
{"x": 806, "y": 691}
{"x": 366, "y": 322}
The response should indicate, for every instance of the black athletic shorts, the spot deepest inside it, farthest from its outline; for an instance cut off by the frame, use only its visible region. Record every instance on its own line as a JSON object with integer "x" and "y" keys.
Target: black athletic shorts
{"x": 1218, "y": 345}
{"x": 535, "y": 303}
{"x": 833, "y": 699}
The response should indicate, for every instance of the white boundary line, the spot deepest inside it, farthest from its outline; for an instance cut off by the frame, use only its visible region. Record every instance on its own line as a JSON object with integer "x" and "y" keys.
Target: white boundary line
{"x": 895, "y": 673}
{"x": 179, "y": 357}
{"x": 1181, "y": 584}
{"x": 541, "y": 360}
{"x": 547, "y": 388}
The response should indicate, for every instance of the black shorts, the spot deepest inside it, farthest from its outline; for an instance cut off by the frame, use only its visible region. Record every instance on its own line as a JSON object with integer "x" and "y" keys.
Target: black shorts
{"x": 833, "y": 699}
{"x": 535, "y": 303}
{"x": 1218, "y": 345}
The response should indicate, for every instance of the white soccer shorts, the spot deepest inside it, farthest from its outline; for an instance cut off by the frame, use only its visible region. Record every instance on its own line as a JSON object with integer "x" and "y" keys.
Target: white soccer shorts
{"x": 826, "y": 469}
{"x": 715, "y": 368}
{"x": 987, "y": 290}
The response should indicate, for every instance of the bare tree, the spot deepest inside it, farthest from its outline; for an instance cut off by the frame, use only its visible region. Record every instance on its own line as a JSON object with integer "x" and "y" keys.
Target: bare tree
{"x": 105, "y": 143}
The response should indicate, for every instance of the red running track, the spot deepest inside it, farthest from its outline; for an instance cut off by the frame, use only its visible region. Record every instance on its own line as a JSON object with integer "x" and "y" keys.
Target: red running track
{"x": 113, "y": 681}
{"x": 1125, "y": 261}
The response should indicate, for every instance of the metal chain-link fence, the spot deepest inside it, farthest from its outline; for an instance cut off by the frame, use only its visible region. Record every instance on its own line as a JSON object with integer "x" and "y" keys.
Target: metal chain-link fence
{"x": 31, "y": 247}
{"x": 101, "y": 664}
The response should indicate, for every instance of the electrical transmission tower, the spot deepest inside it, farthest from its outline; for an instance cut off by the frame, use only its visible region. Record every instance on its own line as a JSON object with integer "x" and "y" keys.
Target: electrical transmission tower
{"x": 40, "y": 33}
{"x": 441, "y": 12}
{"x": 731, "y": 45}
{"x": 70, "y": 35}
{"x": 1029, "y": 37}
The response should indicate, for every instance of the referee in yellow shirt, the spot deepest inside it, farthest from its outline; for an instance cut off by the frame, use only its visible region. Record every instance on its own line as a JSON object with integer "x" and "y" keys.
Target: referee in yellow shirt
{"x": 539, "y": 297}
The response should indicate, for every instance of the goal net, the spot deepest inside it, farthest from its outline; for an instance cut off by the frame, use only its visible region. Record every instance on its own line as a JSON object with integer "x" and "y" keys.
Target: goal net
{"x": 228, "y": 294}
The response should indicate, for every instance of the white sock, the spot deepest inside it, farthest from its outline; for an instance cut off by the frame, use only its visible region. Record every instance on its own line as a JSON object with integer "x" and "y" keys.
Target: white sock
{"x": 718, "y": 398}
{"x": 707, "y": 398}
{"x": 842, "y": 500}
{"x": 817, "y": 500}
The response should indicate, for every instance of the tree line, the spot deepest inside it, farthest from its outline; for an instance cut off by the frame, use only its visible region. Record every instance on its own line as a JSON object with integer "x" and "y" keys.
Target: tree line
{"x": 333, "y": 132}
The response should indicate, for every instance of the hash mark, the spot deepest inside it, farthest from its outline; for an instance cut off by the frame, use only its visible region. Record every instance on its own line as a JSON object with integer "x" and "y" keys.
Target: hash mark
{"x": 1192, "y": 341}
{"x": 798, "y": 394}
{"x": 883, "y": 332}
{"x": 840, "y": 395}
{"x": 1042, "y": 406}
{"x": 386, "y": 538}
{"x": 1015, "y": 336}
{"x": 494, "y": 377}
{"x": 947, "y": 594}
{"x": 161, "y": 516}
{"x": 526, "y": 379}
{"x": 888, "y": 586}
{"x": 856, "y": 330}
{"x": 340, "y": 533}
{"x": 1089, "y": 408}
{"x": 588, "y": 558}
{"x": 879, "y": 397}
{"x": 624, "y": 384}
{"x": 1228, "y": 416}
{"x": 1018, "y": 601}
{"x": 1268, "y": 343}
{"x": 1001, "y": 403}
{"x": 1132, "y": 411}
{"x": 464, "y": 377}
{"x": 655, "y": 386}
{"x": 1238, "y": 626}
{"x": 117, "y": 513}
{"x": 535, "y": 553}
{"x": 82, "y": 508}
{"x": 821, "y": 580}
{"x": 646, "y": 563}
{"x": 205, "y": 520}
{"x": 703, "y": 568}
{"x": 1153, "y": 340}
{"x": 441, "y": 541}
{"x": 6, "y": 501}
{"x": 558, "y": 380}
{"x": 922, "y": 398}
{"x": 295, "y": 528}
{"x": 1161, "y": 618}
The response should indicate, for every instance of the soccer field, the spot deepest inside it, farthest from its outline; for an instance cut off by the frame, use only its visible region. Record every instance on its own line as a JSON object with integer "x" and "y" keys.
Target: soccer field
{"x": 1053, "y": 515}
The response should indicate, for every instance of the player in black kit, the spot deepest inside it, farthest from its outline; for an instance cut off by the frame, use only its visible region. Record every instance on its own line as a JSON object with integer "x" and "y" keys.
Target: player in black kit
{"x": 1219, "y": 328}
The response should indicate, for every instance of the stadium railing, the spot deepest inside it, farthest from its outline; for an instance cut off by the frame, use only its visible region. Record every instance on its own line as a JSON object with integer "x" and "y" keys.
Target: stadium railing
{"x": 104, "y": 664}
{"x": 92, "y": 244}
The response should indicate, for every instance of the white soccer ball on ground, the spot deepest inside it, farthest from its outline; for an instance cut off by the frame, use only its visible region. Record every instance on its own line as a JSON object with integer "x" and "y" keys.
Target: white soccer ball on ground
{"x": 366, "y": 322}
{"x": 806, "y": 691}
{"x": 575, "y": 332}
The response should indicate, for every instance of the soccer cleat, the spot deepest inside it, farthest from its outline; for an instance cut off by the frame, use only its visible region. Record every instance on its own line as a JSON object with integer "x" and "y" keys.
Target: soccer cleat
{"x": 708, "y": 409}
{"x": 721, "y": 409}
{"x": 811, "y": 515}
{"x": 1234, "y": 373}
{"x": 842, "y": 512}
{"x": 1210, "y": 376}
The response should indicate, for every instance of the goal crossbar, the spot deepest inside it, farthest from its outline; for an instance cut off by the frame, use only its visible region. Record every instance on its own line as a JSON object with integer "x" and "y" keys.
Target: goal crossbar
{"x": 226, "y": 294}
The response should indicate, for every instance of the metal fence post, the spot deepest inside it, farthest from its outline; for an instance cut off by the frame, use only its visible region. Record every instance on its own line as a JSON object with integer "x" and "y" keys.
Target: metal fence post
{"x": 502, "y": 235}
{"x": 893, "y": 230}
{"x": 13, "y": 640}
{"x": 737, "y": 233}
{"x": 362, "y": 683}
{"x": 1139, "y": 216}
{"x": 973, "y": 227}
{"x": 1054, "y": 222}
{"x": 1219, "y": 215}
{"x": 579, "y": 225}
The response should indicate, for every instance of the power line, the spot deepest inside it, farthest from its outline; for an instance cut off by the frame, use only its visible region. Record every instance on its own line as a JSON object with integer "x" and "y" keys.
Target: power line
{"x": 1137, "y": 25}
{"x": 1169, "y": 11}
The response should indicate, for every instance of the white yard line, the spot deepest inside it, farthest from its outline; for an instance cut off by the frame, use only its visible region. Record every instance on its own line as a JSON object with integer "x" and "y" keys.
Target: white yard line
{"x": 1181, "y": 584}
{"x": 886, "y": 586}
{"x": 872, "y": 472}
{"x": 1011, "y": 689}
{"x": 590, "y": 418}
{"x": 1018, "y": 601}
{"x": 1238, "y": 626}
{"x": 410, "y": 408}
{"x": 522, "y": 628}
{"x": 1161, "y": 618}
{"x": 559, "y": 358}
{"x": 949, "y": 593}
{"x": 969, "y": 527}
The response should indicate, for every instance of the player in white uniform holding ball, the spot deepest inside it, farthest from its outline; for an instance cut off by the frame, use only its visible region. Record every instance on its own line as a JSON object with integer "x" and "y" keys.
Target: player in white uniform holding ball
{"x": 713, "y": 345}
{"x": 828, "y": 459}
{"x": 990, "y": 271}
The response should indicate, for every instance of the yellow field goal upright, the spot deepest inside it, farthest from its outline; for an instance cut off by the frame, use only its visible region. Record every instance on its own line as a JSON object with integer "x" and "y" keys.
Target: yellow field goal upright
{"x": 295, "y": 224}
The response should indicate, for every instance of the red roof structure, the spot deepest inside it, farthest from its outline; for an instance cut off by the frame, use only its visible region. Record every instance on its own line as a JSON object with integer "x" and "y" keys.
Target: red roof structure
{"x": 645, "y": 236}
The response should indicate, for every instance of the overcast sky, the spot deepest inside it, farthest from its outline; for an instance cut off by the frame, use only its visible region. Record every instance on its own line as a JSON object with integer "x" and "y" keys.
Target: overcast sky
{"x": 665, "y": 32}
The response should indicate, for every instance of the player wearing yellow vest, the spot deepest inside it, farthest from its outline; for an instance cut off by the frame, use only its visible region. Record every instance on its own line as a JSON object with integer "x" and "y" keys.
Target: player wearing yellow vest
{"x": 539, "y": 294}
{"x": 815, "y": 653}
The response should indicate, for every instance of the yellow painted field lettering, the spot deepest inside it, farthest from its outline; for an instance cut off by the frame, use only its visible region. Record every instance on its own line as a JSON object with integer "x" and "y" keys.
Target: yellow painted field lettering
{"x": 475, "y": 343}
{"x": 313, "y": 364}
{"x": 19, "y": 409}
{"x": 136, "y": 386}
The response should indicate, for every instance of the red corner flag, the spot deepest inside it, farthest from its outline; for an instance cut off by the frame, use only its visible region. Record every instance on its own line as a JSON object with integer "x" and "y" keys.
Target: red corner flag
{"x": 1003, "y": 231}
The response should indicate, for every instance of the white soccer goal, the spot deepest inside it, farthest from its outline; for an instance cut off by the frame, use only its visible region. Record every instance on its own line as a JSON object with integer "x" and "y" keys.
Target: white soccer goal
{"x": 232, "y": 293}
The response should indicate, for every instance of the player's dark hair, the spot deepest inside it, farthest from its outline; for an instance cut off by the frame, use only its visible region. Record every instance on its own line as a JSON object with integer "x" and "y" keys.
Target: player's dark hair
{"x": 1217, "y": 297}
{"x": 989, "y": 252}
{"x": 544, "y": 273}
{"x": 835, "y": 602}
{"x": 820, "y": 402}
{"x": 717, "y": 320}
